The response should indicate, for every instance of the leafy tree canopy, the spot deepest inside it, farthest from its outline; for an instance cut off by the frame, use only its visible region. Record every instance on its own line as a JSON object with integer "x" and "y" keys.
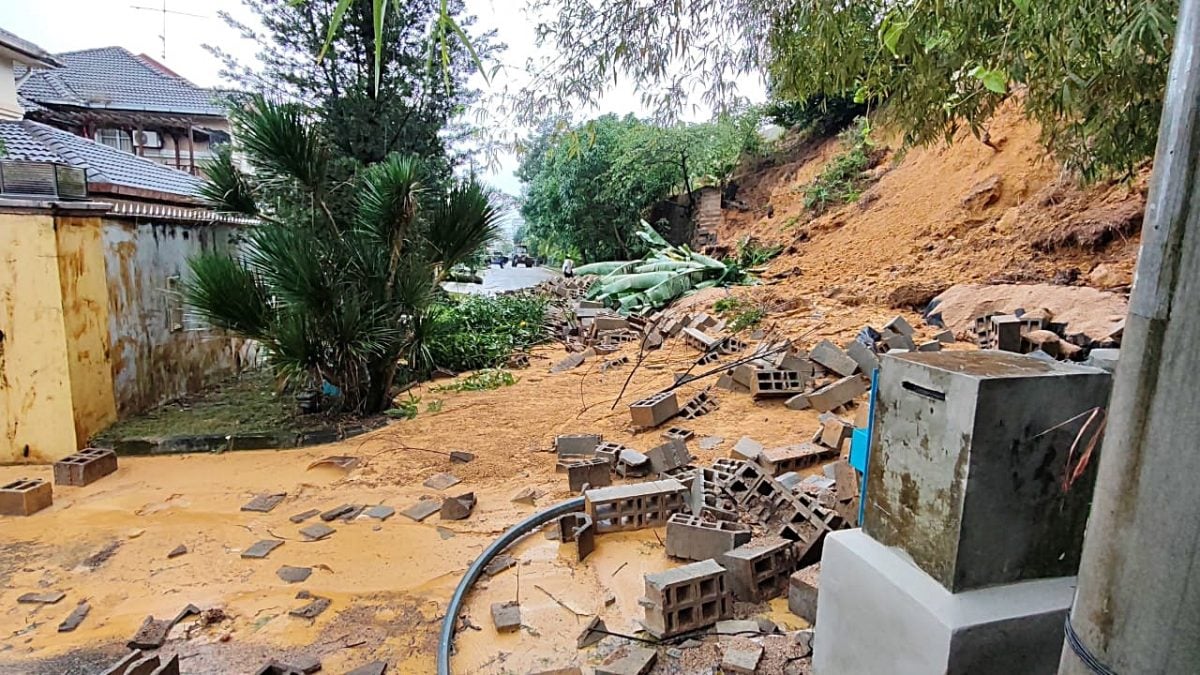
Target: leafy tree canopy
{"x": 1091, "y": 72}
{"x": 586, "y": 187}
{"x": 410, "y": 109}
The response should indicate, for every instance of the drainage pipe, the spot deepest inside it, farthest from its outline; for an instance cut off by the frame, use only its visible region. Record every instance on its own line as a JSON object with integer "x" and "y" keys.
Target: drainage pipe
{"x": 510, "y": 536}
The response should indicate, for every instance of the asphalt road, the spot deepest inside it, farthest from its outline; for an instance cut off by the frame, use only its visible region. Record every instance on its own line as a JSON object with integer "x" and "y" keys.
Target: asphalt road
{"x": 496, "y": 280}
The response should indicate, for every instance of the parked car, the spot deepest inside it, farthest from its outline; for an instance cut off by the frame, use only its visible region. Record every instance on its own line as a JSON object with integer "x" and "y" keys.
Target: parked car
{"x": 521, "y": 257}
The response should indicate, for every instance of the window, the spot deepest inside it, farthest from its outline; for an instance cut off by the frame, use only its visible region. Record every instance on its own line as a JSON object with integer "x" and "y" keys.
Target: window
{"x": 115, "y": 138}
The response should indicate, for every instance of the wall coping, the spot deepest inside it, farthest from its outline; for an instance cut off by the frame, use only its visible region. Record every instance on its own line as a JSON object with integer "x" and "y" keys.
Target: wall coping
{"x": 54, "y": 207}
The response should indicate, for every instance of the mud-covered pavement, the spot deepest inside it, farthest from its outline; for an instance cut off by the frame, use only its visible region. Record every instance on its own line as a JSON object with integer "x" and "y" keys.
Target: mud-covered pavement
{"x": 389, "y": 581}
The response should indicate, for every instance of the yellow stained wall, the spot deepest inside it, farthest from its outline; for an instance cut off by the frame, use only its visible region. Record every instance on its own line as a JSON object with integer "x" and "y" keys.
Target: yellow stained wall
{"x": 55, "y": 383}
{"x": 82, "y": 276}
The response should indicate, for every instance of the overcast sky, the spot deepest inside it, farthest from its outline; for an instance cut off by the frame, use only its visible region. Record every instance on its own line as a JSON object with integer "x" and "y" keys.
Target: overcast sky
{"x": 67, "y": 25}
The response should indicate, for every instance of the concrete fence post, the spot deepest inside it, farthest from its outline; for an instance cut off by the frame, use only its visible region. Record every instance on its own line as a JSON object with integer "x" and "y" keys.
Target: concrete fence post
{"x": 1137, "y": 608}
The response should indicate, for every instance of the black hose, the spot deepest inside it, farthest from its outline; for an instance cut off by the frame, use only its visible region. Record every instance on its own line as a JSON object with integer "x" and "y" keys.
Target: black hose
{"x": 510, "y": 536}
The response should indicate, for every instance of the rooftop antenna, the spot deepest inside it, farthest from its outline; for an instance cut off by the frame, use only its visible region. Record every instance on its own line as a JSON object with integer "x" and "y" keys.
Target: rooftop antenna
{"x": 164, "y": 11}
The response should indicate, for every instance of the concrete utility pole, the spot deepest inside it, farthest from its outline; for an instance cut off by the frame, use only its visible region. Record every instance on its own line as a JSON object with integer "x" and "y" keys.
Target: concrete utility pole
{"x": 1137, "y": 609}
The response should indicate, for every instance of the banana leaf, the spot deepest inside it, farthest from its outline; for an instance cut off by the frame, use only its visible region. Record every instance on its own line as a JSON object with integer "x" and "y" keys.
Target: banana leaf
{"x": 673, "y": 287}
{"x": 616, "y": 284}
{"x": 710, "y": 263}
{"x": 667, "y": 266}
{"x": 647, "y": 234}
{"x": 601, "y": 268}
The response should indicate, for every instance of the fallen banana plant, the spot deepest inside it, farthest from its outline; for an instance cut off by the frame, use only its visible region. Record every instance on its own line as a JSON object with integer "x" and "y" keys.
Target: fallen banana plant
{"x": 663, "y": 276}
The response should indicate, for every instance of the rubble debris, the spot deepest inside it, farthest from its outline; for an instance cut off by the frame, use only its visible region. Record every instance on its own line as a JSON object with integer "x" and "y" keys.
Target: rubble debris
{"x": 736, "y": 627}
{"x": 632, "y": 464}
{"x": 699, "y": 405}
{"x": 685, "y": 599}
{"x": 588, "y": 473}
{"x": 461, "y": 457}
{"x": 680, "y": 433}
{"x": 670, "y": 455}
{"x": 316, "y": 531}
{"x": 710, "y": 442}
{"x": 692, "y": 538}
{"x": 832, "y": 358}
{"x": 85, "y": 467}
{"x": 177, "y": 551}
{"x": 153, "y": 632}
{"x": 517, "y": 361}
{"x": 296, "y": 666}
{"x": 613, "y": 363}
{"x": 899, "y": 325}
{"x": 262, "y": 548}
{"x": 864, "y": 356}
{"x": 945, "y": 337}
{"x": 569, "y": 363}
{"x": 343, "y": 462}
{"x": 95, "y": 560}
{"x": 835, "y": 431}
{"x": 935, "y": 346}
{"x": 773, "y": 382}
{"x": 353, "y": 513}
{"x": 337, "y": 512}
{"x": 526, "y": 495}
{"x": 293, "y": 575}
{"x": 264, "y": 503}
{"x": 25, "y": 497}
{"x": 654, "y": 410}
{"x": 506, "y": 616}
{"x": 498, "y": 564}
{"x": 422, "y": 509}
{"x": 1104, "y": 359}
{"x": 633, "y": 507}
{"x": 759, "y": 571}
{"x": 439, "y": 481}
{"x": 796, "y": 457}
{"x": 746, "y": 448}
{"x": 636, "y": 661}
{"x": 578, "y": 445}
{"x": 579, "y": 529}
{"x": 47, "y": 598}
{"x": 459, "y": 507}
{"x": 372, "y": 668}
{"x": 837, "y": 394}
{"x": 75, "y": 618}
{"x": 802, "y": 597}
{"x": 380, "y": 512}
{"x": 741, "y": 658}
{"x": 301, "y": 517}
{"x": 121, "y": 667}
{"x": 313, "y": 609}
{"x": 798, "y": 402}
{"x": 593, "y": 633}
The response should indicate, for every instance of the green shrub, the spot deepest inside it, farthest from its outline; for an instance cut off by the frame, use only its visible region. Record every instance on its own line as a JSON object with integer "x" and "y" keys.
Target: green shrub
{"x": 739, "y": 313}
{"x": 475, "y": 332}
{"x": 482, "y": 380}
{"x": 841, "y": 181}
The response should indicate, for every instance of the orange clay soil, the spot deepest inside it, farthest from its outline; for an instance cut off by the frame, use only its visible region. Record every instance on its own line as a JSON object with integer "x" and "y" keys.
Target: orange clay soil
{"x": 390, "y": 581}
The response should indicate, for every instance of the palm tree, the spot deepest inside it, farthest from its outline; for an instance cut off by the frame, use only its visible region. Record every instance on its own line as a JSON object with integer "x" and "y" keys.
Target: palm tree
{"x": 337, "y": 277}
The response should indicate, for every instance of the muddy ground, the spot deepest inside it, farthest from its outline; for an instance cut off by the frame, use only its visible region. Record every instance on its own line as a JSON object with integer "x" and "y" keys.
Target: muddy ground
{"x": 389, "y": 581}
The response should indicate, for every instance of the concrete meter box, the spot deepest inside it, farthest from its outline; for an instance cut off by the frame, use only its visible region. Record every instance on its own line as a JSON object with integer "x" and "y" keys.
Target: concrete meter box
{"x": 968, "y": 472}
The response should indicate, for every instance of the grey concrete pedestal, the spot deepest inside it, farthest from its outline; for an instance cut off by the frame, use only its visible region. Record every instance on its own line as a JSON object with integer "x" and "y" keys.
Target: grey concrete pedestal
{"x": 881, "y": 614}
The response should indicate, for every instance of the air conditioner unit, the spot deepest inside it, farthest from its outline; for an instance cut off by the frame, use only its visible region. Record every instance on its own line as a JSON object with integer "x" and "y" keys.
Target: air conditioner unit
{"x": 148, "y": 139}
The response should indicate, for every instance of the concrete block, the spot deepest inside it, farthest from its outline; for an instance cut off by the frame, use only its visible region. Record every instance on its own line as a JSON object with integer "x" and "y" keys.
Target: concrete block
{"x": 771, "y": 383}
{"x": 831, "y": 357}
{"x": 746, "y": 449}
{"x": 458, "y": 508}
{"x": 609, "y": 451}
{"x": 506, "y": 616}
{"x": 633, "y": 507}
{"x": 776, "y": 461}
{"x": 699, "y": 340}
{"x": 944, "y": 337}
{"x": 898, "y": 324}
{"x": 838, "y": 393}
{"x": 930, "y": 346}
{"x": 741, "y": 658}
{"x": 759, "y": 571}
{"x": 699, "y": 405}
{"x": 692, "y": 538}
{"x": 864, "y": 356}
{"x": 632, "y": 464}
{"x": 576, "y": 444}
{"x": 992, "y": 433}
{"x": 603, "y": 323}
{"x": 685, "y": 599}
{"x": 802, "y": 597}
{"x": 25, "y": 497}
{"x": 670, "y": 455}
{"x": 895, "y": 341}
{"x": 636, "y": 661}
{"x": 593, "y": 472}
{"x": 916, "y": 626}
{"x": 680, "y": 433}
{"x": 744, "y": 374}
{"x": 798, "y": 402}
{"x": 578, "y": 528}
{"x": 654, "y": 410}
{"x": 834, "y": 431}
{"x": 85, "y": 467}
